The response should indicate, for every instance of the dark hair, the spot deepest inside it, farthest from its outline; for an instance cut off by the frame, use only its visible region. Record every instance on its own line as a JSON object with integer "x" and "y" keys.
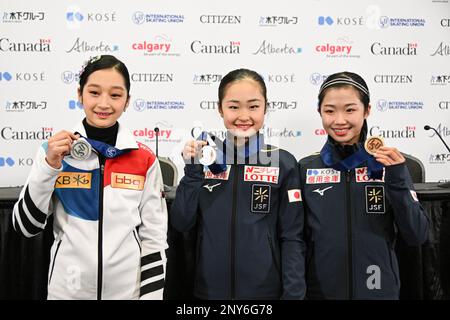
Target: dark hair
{"x": 240, "y": 74}
{"x": 104, "y": 62}
{"x": 343, "y": 79}
{"x": 353, "y": 79}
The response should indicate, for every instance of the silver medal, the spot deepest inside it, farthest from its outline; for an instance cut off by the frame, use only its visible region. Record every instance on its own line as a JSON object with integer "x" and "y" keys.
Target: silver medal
{"x": 81, "y": 149}
{"x": 207, "y": 156}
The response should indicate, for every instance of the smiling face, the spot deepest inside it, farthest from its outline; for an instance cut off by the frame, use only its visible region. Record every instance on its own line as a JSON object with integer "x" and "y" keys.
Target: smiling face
{"x": 104, "y": 97}
{"x": 343, "y": 114}
{"x": 243, "y": 107}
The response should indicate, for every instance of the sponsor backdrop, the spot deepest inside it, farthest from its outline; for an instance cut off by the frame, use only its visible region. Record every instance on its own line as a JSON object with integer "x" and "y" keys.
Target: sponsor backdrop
{"x": 177, "y": 52}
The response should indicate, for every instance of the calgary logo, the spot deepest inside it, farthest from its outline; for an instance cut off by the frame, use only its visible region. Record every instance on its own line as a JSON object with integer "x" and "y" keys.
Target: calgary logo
{"x": 160, "y": 46}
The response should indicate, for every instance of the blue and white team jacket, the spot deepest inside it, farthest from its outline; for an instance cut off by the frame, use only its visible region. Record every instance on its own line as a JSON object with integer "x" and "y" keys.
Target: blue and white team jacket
{"x": 110, "y": 221}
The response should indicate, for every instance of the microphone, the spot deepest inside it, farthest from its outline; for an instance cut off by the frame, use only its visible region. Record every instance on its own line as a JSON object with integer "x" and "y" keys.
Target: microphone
{"x": 442, "y": 184}
{"x": 157, "y": 138}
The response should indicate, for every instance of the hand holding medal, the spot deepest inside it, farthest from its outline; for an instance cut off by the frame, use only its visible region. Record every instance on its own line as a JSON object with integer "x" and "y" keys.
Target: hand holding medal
{"x": 58, "y": 146}
{"x": 387, "y": 156}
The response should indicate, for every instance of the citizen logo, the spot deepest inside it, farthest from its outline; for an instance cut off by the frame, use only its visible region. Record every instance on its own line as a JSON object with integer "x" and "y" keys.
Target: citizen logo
{"x": 220, "y": 19}
{"x": 393, "y": 78}
{"x": 209, "y": 105}
{"x": 152, "y": 77}
{"x": 444, "y": 105}
{"x": 445, "y": 22}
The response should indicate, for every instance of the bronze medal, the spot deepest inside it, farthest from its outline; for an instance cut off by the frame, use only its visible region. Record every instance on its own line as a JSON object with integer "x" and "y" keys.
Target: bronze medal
{"x": 372, "y": 144}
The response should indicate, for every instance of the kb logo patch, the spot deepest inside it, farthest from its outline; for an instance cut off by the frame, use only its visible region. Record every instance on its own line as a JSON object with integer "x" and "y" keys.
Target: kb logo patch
{"x": 260, "y": 198}
{"x": 375, "y": 199}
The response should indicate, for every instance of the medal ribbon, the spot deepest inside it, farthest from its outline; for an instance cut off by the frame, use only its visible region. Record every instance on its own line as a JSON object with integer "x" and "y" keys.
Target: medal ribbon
{"x": 374, "y": 168}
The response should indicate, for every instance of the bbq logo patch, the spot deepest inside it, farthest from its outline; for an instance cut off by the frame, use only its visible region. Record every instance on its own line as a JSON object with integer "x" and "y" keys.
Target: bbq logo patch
{"x": 375, "y": 199}
{"x": 260, "y": 198}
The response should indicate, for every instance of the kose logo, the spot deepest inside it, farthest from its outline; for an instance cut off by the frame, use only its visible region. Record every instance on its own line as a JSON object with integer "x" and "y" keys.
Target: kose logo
{"x": 82, "y": 46}
{"x": 220, "y": 19}
{"x": 23, "y": 76}
{"x": 341, "y": 21}
{"x": 43, "y": 45}
{"x": 152, "y": 77}
{"x": 408, "y": 133}
{"x": 21, "y": 162}
{"x": 269, "y": 48}
{"x": 325, "y": 20}
{"x": 442, "y": 50}
{"x": 8, "y": 133}
{"x": 76, "y": 16}
{"x": 409, "y": 50}
{"x": 8, "y": 161}
{"x": 75, "y": 104}
{"x": 280, "y": 78}
{"x": 392, "y": 78}
{"x": 5, "y": 76}
{"x": 231, "y": 47}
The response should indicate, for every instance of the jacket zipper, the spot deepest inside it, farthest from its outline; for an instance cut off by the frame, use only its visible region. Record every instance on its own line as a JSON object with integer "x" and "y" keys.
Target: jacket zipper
{"x": 349, "y": 238}
{"x": 100, "y": 233}
{"x": 233, "y": 234}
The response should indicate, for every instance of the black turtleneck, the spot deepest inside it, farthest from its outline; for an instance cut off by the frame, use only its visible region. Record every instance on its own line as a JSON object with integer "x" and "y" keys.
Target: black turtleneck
{"x": 106, "y": 135}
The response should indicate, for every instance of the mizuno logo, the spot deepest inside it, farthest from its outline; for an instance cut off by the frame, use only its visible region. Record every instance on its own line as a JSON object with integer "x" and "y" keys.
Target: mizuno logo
{"x": 321, "y": 192}
{"x": 210, "y": 188}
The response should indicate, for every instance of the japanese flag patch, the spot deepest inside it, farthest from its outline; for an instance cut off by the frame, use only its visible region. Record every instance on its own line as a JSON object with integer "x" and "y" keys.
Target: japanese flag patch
{"x": 294, "y": 195}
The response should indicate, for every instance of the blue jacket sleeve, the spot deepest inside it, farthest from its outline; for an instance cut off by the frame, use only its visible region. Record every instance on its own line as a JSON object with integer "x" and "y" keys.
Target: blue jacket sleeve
{"x": 409, "y": 214}
{"x": 291, "y": 215}
{"x": 183, "y": 213}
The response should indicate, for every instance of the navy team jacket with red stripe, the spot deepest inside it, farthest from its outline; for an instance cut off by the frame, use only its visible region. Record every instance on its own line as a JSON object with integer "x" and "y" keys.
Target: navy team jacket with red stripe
{"x": 249, "y": 222}
{"x": 110, "y": 222}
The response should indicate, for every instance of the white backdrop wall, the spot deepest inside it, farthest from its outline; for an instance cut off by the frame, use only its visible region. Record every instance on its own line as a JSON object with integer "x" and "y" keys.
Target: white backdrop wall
{"x": 177, "y": 51}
